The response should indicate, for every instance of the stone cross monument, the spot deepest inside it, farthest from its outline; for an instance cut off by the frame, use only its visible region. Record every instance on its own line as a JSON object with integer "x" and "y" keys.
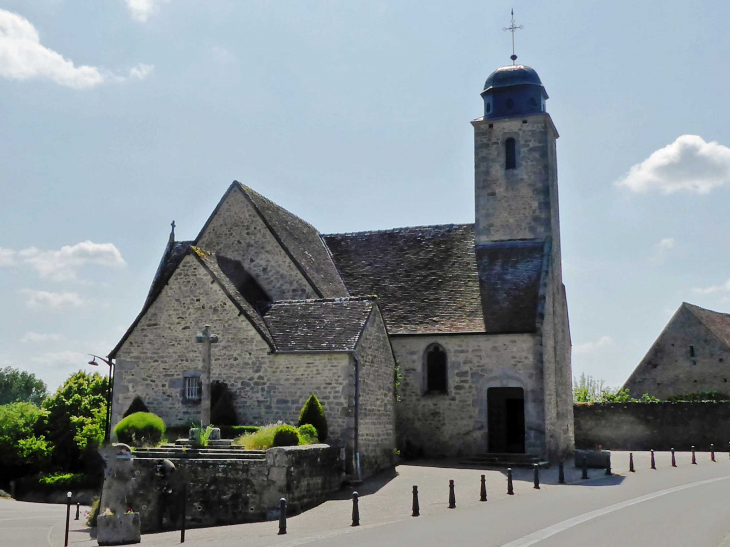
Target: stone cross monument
{"x": 206, "y": 339}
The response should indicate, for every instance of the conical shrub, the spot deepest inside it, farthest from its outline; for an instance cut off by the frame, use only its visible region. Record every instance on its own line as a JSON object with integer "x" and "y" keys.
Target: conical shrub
{"x": 313, "y": 413}
{"x": 136, "y": 406}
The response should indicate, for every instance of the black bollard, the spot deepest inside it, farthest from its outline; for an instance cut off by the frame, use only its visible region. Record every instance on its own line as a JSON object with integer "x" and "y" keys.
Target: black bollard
{"x": 536, "y": 479}
{"x": 355, "y": 510}
{"x": 712, "y": 452}
{"x": 78, "y": 507}
{"x": 416, "y": 507}
{"x": 653, "y": 461}
{"x": 608, "y": 466}
{"x": 282, "y": 516}
{"x": 631, "y": 462}
{"x": 452, "y": 496}
{"x": 483, "y": 490}
{"x": 510, "y": 489}
{"x": 694, "y": 458}
{"x": 585, "y": 467}
{"x": 184, "y": 510}
{"x": 68, "y": 517}
{"x": 561, "y": 473}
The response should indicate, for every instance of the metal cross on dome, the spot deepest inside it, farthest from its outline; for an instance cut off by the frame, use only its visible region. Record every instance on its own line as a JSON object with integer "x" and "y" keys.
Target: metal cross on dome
{"x": 512, "y": 28}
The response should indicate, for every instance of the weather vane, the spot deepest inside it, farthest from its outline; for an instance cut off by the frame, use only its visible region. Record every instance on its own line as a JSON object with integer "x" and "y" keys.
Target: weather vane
{"x": 512, "y": 28}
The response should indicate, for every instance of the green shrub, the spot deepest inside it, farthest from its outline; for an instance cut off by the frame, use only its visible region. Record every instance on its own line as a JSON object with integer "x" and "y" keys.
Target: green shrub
{"x": 93, "y": 513}
{"x": 223, "y": 411}
{"x": 286, "y": 435}
{"x": 140, "y": 429}
{"x": 261, "y": 439}
{"x": 233, "y": 431}
{"x": 136, "y": 406}
{"x": 308, "y": 434}
{"x": 201, "y": 436}
{"x": 313, "y": 413}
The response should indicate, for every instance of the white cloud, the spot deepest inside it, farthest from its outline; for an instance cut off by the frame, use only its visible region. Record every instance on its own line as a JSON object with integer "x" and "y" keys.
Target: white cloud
{"x": 61, "y": 265}
{"x": 36, "y": 338}
{"x": 22, "y": 57}
{"x": 725, "y": 287}
{"x": 141, "y": 10}
{"x": 61, "y": 358}
{"x": 689, "y": 164}
{"x": 661, "y": 251}
{"x": 222, "y": 56}
{"x": 46, "y": 299}
{"x": 590, "y": 347}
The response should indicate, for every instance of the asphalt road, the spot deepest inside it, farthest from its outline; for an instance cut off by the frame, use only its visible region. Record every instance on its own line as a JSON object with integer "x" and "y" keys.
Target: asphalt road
{"x": 37, "y": 525}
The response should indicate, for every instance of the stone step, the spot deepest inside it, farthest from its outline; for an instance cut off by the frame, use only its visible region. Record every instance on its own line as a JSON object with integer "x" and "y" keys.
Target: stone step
{"x": 223, "y": 443}
{"x": 503, "y": 460}
{"x": 189, "y": 456}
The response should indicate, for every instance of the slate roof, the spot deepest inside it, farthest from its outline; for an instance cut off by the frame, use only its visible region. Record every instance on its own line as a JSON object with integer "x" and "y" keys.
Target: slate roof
{"x": 171, "y": 258}
{"x": 718, "y": 323}
{"x": 318, "y": 325}
{"x": 302, "y": 242}
{"x": 431, "y": 280}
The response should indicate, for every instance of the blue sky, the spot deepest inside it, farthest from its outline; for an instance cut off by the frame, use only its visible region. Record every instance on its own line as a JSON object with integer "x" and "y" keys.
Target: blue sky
{"x": 119, "y": 116}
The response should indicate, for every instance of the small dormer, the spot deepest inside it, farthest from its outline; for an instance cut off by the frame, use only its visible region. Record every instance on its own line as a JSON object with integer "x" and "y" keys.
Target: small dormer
{"x": 513, "y": 90}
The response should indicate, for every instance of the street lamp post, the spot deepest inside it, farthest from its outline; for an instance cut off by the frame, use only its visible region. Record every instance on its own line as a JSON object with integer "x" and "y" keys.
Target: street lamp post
{"x": 108, "y": 391}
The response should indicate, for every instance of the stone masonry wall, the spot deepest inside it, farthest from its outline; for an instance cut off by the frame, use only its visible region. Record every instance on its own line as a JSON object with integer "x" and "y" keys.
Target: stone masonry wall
{"x": 513, "y": 203}
{"x": 265, "y": 387}
{"x": 658, "y": 426}
{"x": 669, "y": 368}
{"x": 376, "y": 425}
{"x": 455, "y": 424}
{"x": 222, "y": 492}
{"x": 237, "y": 231}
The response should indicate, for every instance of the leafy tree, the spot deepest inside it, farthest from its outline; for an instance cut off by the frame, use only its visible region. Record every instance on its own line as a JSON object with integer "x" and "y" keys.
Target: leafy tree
{"x": 75, "y": 419}
{"x": 22, "y": 450}
{"x": 21, "y": 386}
{"x": 313, "y": 413}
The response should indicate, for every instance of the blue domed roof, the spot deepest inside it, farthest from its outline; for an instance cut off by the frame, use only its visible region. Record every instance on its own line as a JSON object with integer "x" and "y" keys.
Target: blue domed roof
{"x": 511, "y": 75}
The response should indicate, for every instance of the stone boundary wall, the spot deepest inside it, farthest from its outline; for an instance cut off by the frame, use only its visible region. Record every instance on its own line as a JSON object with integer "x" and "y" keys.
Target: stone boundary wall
{"x": 658, "y": 426}
{"x": 222, "y": 492}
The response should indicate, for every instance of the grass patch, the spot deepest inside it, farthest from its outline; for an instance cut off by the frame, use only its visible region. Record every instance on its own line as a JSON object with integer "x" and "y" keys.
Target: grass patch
{"x": 263, "y": 437}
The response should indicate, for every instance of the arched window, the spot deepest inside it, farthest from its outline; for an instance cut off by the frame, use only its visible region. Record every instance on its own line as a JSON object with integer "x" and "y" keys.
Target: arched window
{"x": 436, "y": 372}
{"x": 489, "y": 107}
{"x": 509, "y": 152}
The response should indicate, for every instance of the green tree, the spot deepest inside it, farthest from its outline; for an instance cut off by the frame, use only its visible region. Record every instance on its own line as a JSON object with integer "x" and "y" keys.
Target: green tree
{"x": 20, "y": 386}
{"x": 22, "y": 450}
{"x": 75, "y": 419}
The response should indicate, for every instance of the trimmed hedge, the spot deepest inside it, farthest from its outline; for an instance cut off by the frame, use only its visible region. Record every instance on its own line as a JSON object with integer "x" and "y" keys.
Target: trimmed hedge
{"x": 233, "y": 431}
{"x": 313, "y": 413}
{"x": 308, "y": 434}
{"x": 286, "y": 435}
{"x": 140, "y": 429}
{"x": 58, "y": 482}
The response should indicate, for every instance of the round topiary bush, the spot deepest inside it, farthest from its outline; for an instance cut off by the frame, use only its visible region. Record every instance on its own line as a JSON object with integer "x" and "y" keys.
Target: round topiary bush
{"x": 313, "y": 413}
{"x": 286, "y": 435}
{"x": 140, "y": 429}
{"x": 308, "y": 433}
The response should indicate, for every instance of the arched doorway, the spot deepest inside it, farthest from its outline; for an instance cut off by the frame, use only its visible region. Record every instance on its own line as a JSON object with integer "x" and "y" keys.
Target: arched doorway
{"x": 506, "y": 419}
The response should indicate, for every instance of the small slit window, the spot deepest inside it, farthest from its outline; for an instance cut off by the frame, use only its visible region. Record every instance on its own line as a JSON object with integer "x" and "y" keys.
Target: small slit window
{"x": 436, "y": 370}
{"x": 691, "y": 351}
{"x": 489, "y": 107}
{"x": 192, "y": 388}
{"x": 509, "y": 150}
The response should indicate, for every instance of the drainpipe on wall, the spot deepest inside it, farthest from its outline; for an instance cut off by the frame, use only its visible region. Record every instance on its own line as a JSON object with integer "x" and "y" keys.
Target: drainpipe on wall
{"x": 357, "y": 417}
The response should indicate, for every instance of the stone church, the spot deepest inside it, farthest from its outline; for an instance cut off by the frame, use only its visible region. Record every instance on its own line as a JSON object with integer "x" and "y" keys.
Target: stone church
{"x": 690, "y": 355}
{"x": 471, "y": 317}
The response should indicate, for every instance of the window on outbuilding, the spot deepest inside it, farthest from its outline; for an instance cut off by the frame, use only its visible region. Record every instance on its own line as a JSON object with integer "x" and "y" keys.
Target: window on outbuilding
{"x": 192, "y": 388}
{"x": 436, "y": 371}
{"x": 510, "y": 155}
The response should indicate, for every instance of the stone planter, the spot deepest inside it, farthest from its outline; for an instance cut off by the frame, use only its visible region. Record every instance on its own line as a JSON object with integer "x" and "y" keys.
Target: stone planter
{"x": 118, "y": 529}
{"x": 595, "y": 459}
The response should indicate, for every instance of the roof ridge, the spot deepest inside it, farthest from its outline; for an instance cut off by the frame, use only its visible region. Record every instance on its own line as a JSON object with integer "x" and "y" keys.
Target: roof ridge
{"x": 402, "y": 228}
{"x": 335, "y": 299}
{"x": 249, "y": 189}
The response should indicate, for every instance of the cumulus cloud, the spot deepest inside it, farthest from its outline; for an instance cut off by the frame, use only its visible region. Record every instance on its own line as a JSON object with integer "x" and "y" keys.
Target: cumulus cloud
{"x": 46, "y": 299}
{"x": 662, "y": 250}
{"x": 61, "y": 265}
{"x": 36, "y": 338}
{"x": 141, "y": 10}
{"x": 590, "y": 347}
{"x": 23, "y": 57}
{"x": 689, "y": 164}
{"x": 725, "y": 287}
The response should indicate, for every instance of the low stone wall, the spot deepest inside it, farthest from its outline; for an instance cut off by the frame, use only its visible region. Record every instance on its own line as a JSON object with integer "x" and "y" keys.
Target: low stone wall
{"x": 231, "y": 491}
{"x": 658, "y": 426}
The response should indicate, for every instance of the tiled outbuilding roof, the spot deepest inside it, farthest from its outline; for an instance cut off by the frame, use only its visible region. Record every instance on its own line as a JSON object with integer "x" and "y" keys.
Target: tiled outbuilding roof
{"x": 717, "y": 322}
{"x": 431, "y": 280}
{"x": 302, "y": 242}
{"x": 332, "y": 324}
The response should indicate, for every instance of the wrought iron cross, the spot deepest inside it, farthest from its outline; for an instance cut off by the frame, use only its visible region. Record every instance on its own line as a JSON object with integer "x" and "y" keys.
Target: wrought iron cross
{"x": 513, "y": 28}
{"x": 207, "y": 339}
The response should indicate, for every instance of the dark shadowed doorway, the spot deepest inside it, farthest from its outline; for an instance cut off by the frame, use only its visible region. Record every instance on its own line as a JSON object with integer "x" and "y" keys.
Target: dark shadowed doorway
{"x": 506, "y": 413}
